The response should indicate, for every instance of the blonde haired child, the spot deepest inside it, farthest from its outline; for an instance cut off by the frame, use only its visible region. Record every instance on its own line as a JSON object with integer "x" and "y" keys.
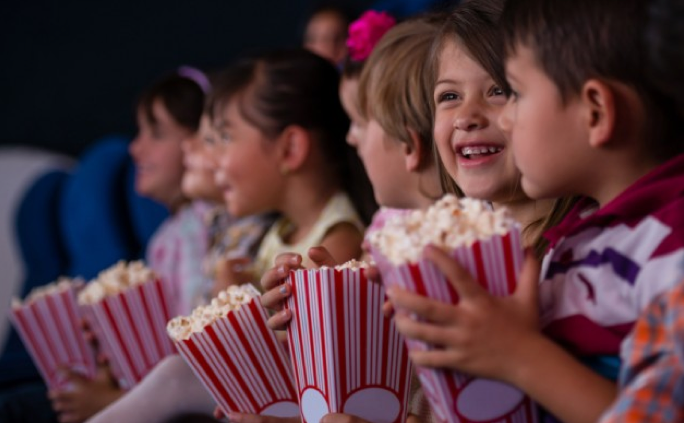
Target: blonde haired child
{"x": 583, "y": 120}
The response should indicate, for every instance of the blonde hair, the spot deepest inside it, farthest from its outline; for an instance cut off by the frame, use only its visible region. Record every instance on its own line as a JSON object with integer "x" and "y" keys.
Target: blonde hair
{"x": 395, "y": 86}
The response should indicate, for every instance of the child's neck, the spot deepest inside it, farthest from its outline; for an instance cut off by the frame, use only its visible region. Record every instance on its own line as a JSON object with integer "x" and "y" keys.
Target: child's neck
{"x": 303, "y": 208}
{"x": 618, "y": 178}
{"x": 527, "y": 211}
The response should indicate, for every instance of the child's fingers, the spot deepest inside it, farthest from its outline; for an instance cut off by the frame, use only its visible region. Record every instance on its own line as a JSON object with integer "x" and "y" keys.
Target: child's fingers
{"x": 279, "y": 320}
{"x": 373, "y": 274}
{"x": 274, "y": 277}
{"x": 414, "y": 329}
{"x": 290, "y": 259}
{"x": 320, "y": 256}
{"x": 218, "y": 413}
{"x": 426, "y": 308}
{"x": 457, "y": 275}
{"x": 273, "y": 299}
{"x": 436, "y": 358}
{"x": 387, "y": 309}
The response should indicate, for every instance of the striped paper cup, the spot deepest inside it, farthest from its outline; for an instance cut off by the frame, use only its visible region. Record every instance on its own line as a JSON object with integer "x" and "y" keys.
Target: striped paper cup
{"x": 347, "y": 356}
{"x": 131, "y": 328}
{"x": 455, "y": 397}
{"x": 50, "y": 329}
{"x": 242, "y": 364}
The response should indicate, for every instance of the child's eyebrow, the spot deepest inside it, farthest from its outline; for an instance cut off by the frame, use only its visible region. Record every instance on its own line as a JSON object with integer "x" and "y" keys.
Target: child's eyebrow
{"x": 446, "y": 81}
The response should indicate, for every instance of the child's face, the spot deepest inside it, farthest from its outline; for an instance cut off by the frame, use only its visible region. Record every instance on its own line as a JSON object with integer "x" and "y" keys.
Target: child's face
{"x": 158, "y": 157}
{"x": 326, "y": 36}
{"x": 472, "y": 146}
{"x": 248, "y": 171}
{"x": 200, "y": 164}
{"x": 547, "y": 139}
{"x": 382, "y": 157}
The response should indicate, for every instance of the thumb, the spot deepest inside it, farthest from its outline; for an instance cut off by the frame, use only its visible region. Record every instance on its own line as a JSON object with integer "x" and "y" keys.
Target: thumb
{"x": 527, "y": 290}
{"x": 320, "y": 256}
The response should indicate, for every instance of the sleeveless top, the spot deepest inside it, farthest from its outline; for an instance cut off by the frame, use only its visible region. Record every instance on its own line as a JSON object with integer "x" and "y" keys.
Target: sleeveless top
{"x": 338, "y": 210}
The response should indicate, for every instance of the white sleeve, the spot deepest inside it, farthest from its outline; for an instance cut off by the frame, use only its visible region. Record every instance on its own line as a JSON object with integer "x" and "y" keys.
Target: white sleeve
{"x": 169, "y": 389}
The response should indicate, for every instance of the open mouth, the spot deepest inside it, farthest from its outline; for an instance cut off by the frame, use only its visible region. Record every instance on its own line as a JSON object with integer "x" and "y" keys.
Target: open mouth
{"x": 476, "y": 152}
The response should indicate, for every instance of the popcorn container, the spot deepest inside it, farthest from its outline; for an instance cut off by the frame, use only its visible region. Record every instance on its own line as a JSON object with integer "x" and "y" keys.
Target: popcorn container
{"x": 455, "y": 397}
{"x": 50, "y": 328}
{"x": 347, "y": 356}
{"x": 242, "y": 364}
{"x": 131, "y": 328}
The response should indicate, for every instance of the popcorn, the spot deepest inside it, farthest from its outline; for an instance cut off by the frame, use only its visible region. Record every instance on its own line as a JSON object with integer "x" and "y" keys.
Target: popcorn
{"x": 487, "y": 244}
{"x": 182, "y": 327}
{"x": 237, "y": 357}
{"x": 62, "y": 284}
{"x": 114, "y": 280}
{"x": 449, "y": 223}
{"x": 49, "y": 324}
{"x": 353, "y": 265}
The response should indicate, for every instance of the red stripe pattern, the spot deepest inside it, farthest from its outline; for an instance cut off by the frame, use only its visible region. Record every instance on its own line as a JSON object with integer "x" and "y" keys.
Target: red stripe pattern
{"x": 131, "y": 327}
{"x": 454, "y": 397}
{"x": 50, "y": 329}
{"x": 347, "y": 356}
{"x": 242, "y": 364}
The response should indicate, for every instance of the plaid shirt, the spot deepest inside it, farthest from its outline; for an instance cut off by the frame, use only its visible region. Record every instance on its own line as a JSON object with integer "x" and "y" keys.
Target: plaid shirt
{"x": 652, "y": 378}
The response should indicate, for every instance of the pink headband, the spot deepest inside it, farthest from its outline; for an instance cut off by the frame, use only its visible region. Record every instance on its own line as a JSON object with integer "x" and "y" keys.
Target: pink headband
{"x": 366, "y": 31}
{"x": 197, "y": 76}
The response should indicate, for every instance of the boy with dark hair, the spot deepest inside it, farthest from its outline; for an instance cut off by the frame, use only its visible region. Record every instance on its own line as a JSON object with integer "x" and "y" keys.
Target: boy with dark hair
{"x": 584, "y": 120}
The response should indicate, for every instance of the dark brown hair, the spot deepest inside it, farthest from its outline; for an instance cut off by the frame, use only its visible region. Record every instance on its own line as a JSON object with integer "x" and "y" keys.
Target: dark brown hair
{"x": 297, "y": 87}
{"x": 577, "y": 40}
{"x": 182, "y": 97}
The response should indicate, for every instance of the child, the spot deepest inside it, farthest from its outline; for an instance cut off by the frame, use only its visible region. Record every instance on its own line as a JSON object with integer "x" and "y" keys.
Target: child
{"x": 281, "y": 146}
{"x": 583, "y": 121}
{"x": 652, "y": 377}
{"x": 172, "y": 383}
{"x": 325, "y": 34}
{"x": 168, "y": 112}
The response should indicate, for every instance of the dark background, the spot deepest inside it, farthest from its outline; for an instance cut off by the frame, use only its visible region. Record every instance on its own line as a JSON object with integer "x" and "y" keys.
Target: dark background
{"x": 71, "y": 70}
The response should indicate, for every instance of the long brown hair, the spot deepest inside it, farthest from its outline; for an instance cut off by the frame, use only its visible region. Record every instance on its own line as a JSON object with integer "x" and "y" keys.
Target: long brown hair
{"x": 474, "y": 25}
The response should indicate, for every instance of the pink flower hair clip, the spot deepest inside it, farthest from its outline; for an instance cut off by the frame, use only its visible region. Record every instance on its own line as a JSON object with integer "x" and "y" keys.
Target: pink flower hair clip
{"x": 366, "y": 31}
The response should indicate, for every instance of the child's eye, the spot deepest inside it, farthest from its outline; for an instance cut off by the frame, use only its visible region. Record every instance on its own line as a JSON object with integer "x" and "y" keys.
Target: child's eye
{"x": 209, "y": 140}
{"x": 496, "y": 91}
{"x": 224, "y": 137}
{"x": 447, "y": 96}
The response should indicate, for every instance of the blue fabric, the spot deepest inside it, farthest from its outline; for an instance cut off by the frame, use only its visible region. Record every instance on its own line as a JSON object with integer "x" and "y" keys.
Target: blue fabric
{"x": 406, "y": 8}
{"x": 93, "y": 212}
{"x": 145, "y": 215}
{"x": 44, "y": 259}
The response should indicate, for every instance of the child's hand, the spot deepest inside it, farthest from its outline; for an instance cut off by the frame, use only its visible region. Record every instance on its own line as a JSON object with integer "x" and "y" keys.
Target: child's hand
{"x": 234, "y": 271}
{"x": 252, "y": 418}
{"x": 482, "y": 334}
{"x": 277, "y": 292}
{"x": 82, "y": 398}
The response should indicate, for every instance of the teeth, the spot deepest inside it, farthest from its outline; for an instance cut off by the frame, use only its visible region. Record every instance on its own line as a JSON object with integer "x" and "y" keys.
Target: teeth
{"x": 468, "y": 151}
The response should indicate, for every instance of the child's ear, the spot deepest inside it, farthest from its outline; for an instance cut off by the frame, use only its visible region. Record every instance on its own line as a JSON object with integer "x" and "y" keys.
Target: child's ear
{"x": 294, "y": 143}
{"x": 413, "y": 152}
{"x": 599, "y": 100}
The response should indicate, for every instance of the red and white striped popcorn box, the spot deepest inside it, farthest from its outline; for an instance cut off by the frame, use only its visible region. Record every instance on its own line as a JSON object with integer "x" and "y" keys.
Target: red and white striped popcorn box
{"x": 50, "y": 328}
{"x": 347, "y": 356}
{"x": 455, "y": 397}
{"x": 242, "y": 364}
{"x": 131, "y": 329}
